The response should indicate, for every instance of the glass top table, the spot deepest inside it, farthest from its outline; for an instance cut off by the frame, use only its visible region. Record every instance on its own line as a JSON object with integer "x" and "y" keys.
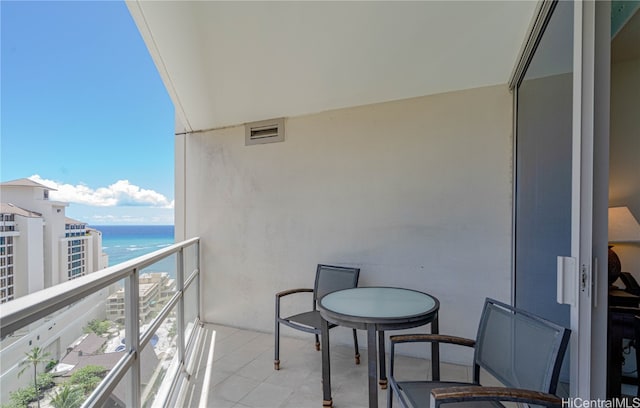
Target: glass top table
{"x": 374, "y": 309}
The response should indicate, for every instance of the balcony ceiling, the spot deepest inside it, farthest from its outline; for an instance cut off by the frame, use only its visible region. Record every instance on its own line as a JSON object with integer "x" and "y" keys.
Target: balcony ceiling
{"x": 227, "y": 63}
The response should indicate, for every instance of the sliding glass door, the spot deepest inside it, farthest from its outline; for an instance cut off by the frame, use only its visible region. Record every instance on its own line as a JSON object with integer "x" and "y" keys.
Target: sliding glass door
{"x": 543, "y": 152}
{"x": 560, "y": 197}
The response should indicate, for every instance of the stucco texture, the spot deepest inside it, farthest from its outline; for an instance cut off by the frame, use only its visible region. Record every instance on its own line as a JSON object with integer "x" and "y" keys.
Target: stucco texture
{"x": 415, "y": 192}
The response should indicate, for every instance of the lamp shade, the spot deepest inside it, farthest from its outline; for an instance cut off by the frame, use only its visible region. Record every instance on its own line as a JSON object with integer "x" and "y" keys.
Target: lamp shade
{"x": 623, "y": 226}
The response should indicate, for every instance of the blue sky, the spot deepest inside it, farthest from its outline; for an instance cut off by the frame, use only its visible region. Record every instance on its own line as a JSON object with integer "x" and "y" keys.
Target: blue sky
{"x": 83, "y": 109}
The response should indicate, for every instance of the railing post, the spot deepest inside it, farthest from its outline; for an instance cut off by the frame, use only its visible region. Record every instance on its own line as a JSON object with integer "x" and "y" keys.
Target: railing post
{"x": 198, "y": 305}
{"x": 180, "y": 318}
{"x": 132, "y": 333}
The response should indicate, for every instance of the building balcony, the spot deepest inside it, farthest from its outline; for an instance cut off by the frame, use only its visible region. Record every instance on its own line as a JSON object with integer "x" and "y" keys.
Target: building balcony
{"x": 176, "y": 359}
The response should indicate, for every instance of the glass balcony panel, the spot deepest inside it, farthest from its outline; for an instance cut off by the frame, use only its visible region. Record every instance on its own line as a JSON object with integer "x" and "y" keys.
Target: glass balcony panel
{"x": 93, "y": 331}
{"x": 119, "y": 397}
{"x": 190, "y": 308}
{"x": 75, "y": 345}
{"x": 159, "y": 356}
{"x": 157, "y": 284}
{"x": 190, "y": 261}
{"x": 167, "y": 265}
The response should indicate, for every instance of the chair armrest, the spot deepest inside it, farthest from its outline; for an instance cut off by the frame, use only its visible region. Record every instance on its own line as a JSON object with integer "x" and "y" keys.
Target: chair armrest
{"x": 292, "y": 291}
{"x": 425, "y": 338}
{"x": 432, "y": 338}
{"x": 284, "y": 293}
{"x": 479, "y": 393}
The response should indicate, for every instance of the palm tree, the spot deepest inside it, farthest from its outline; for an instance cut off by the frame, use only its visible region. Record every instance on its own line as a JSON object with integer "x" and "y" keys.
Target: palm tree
{"x": 34, "y": 357}
{"x": 67, "y": 397}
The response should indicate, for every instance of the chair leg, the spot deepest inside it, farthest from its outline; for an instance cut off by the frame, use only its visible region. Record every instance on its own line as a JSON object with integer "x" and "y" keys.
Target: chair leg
{"x": 355, "y": 346}
{"x": 276, "y": 359}
{"x": 317, "y": 342}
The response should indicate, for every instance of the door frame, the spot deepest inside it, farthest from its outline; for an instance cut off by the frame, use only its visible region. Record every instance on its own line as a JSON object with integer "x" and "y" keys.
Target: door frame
{"x": 592, "y": 50}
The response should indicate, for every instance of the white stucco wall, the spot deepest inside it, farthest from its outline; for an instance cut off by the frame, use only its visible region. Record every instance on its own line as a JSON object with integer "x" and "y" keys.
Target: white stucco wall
{"x": 31, "y": 258}
{"x": 416, "y": 192}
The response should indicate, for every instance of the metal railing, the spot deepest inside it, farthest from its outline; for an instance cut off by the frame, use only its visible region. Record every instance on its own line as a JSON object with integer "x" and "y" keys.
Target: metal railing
{"x": 20, "y": 313}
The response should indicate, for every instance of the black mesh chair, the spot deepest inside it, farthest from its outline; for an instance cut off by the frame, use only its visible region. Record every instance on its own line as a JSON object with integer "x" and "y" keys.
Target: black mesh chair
{"x": 522, "y": 351}
{"x": 328, "y": 279}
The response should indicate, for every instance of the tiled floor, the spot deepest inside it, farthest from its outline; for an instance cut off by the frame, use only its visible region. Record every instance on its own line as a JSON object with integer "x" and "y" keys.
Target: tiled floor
{"x": 241, "y": 373}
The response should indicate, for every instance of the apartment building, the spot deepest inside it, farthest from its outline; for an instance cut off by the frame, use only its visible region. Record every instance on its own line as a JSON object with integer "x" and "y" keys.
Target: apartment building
{"x": 39, "y": 245}
{"x": 166, "y": 285}
{"x": 149, "y": 303}
{"x": 154, "y": 290}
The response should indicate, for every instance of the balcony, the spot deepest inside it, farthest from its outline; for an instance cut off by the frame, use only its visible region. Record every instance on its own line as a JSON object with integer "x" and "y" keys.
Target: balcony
{"x": 205, "y": 364}
{"x": 399, "y": 157}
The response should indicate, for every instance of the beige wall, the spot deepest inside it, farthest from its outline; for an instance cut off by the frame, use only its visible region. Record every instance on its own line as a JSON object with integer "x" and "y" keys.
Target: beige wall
{"x": 624, "y": 176}
{"x": 416, "y": 192}
{"x": 624, "y": 183}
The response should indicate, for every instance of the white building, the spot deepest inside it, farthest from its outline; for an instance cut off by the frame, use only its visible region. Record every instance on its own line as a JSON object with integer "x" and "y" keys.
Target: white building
{"x": 21, "y": 252}
{"x": 154, "y": 290}
{"x": 40, "y": 246}
{"x": 166, "y": 284}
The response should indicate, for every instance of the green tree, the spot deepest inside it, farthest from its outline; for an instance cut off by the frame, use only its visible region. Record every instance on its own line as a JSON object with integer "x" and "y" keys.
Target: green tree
{"x": 45, "y": 381}
{"x": 33, "y": 358}
{"x": 98, "y": 327}
{"x": 50, "y": 365}
{"x": 88, "y": 377}
{"x": 21, "y": 397}
{"x": 67, "y": 397}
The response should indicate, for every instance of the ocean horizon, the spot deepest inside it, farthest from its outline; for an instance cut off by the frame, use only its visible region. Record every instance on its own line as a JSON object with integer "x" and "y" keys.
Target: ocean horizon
{"x": 125, "y": 242}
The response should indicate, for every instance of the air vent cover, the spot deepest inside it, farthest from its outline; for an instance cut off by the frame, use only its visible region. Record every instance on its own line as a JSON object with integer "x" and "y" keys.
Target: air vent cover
{"x": 265, "y": 131}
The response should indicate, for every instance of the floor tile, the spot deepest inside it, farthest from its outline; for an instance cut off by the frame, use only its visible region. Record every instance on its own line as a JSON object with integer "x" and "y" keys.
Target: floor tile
{"x": 267, "y": 395}
{"x": 243, "y": 374}
{"x": 234, "y": 388}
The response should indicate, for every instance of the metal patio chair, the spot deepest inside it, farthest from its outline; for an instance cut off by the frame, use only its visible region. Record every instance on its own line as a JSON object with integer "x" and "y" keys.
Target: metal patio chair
{"x": 329, "y": 278}
{"x": 522, "y": 351}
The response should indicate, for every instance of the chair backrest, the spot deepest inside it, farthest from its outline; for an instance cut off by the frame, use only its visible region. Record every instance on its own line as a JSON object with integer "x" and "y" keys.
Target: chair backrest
{"x": 520, "y": 349}
{"x": 330, "y": 278}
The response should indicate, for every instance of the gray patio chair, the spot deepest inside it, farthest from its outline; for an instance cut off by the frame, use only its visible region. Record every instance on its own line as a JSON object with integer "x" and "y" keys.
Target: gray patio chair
{"x": 328, "y": 279}
{"x": 522, "y": 351}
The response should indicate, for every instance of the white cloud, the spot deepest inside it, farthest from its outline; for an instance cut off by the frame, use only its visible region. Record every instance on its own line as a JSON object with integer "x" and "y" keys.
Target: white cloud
{"x": 120, "y": 193}
{"x": 111, "y": 219}
{"x": 121, "y": 215}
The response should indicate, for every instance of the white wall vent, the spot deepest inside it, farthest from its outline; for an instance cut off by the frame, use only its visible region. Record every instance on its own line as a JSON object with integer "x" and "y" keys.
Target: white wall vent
{"x": 265, "y": 131}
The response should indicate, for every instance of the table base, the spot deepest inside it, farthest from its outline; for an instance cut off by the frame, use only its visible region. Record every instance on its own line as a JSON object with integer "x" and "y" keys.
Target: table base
{"x": 375, "y": 355}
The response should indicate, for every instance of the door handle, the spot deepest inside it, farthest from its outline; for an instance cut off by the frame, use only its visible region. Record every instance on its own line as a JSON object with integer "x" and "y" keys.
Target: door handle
{"x": 567, "y": 280}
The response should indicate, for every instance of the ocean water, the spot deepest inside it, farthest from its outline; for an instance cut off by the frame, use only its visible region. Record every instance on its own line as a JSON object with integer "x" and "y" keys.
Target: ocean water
{"x": 125, "y": 242}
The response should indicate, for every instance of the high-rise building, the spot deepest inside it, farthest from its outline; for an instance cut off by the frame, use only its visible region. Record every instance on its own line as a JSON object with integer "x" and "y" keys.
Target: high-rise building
{"x": 40, "y": 246}
{"x": 155, "y": 289}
